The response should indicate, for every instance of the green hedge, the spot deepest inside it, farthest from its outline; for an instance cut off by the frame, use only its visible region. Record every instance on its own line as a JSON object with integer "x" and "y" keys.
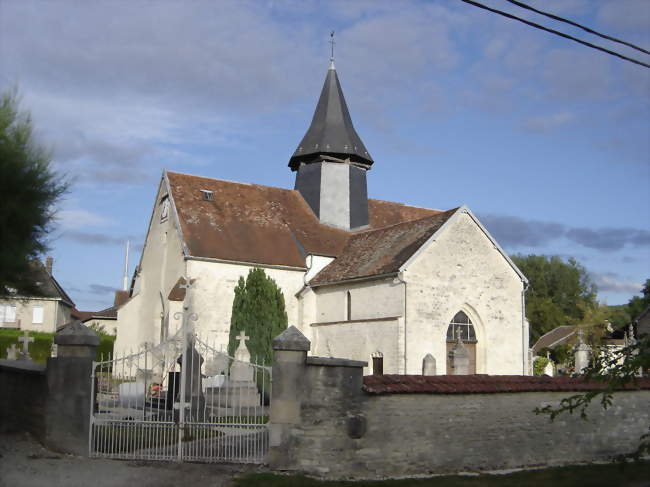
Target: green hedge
{"x": 40, "y": 348}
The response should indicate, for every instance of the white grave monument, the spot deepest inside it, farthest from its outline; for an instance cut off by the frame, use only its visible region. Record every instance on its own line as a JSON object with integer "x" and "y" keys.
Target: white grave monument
{"x": 12, "y": 352}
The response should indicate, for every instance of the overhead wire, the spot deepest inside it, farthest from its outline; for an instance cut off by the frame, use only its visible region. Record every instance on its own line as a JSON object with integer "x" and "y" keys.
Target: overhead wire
{"x": 556, "y": 32}
{"x": 575, "y": 24}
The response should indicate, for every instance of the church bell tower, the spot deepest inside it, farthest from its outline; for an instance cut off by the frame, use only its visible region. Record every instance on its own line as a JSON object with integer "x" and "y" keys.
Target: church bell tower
{"x": 331, "y": 162}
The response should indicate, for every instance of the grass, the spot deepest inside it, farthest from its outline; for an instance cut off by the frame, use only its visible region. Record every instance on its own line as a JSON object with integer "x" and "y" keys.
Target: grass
{"x": 40, "y": 348}
{"x": 611, "y": 475}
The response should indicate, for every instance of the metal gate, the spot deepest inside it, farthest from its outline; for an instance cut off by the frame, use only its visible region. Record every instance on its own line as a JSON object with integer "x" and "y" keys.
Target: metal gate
{"x": 181, "y": 400}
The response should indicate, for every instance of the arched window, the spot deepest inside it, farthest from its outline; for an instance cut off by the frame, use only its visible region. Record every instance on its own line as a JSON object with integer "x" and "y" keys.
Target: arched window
{"x": 461, "y": 326}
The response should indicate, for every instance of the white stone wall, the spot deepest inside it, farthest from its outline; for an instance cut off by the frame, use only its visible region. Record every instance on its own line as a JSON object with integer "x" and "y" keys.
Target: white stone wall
{"x": 463, "y": 270}
{"x": 214, "y": 292}
{"x": 162, "y": 263}
{"x": 357, "y": 340}
{"x": 369, "y": 300}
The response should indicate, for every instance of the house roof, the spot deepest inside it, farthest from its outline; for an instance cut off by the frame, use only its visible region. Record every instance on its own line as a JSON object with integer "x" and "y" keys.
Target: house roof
{"x": 554, "y": 337}
{"x": 331, "y": 131}
{"x": 44, "y": 285}
{"x": 482, "y": 384}
{"x": 381, "y": 251}
{"x": 263, "y": 224}
{"x": 179, "y": 290}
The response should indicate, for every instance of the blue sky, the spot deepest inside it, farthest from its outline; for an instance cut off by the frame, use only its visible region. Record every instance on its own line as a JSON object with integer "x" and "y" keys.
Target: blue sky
{"x": 547, "y": 141}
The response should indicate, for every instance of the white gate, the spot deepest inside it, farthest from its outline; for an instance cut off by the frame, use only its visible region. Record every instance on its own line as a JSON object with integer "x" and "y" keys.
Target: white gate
{"x": 181, "y": 400}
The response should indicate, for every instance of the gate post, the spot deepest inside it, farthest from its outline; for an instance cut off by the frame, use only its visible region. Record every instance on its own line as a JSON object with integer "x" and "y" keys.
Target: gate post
{"x": 70, "y": 389}
{"x": 289, "y": 370}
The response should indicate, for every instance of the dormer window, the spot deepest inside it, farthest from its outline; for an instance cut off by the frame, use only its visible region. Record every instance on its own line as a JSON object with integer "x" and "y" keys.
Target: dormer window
{"x": 164, "y": 212}
{"x": 207, "y": 194}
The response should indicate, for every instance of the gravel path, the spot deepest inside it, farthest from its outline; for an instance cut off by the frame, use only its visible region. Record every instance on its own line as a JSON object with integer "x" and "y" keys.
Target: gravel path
{"x": 25, "y": 463}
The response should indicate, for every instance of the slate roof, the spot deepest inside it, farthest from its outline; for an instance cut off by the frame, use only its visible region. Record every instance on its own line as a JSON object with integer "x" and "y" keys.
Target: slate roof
{"x": 381, "y": 251}
{"x": 44, "y": 284}
{"x": 263, "y": 224}
{"x": 331, "y": 131}
{"x": 554, "y": 337}
{"x": 481, "y": 384}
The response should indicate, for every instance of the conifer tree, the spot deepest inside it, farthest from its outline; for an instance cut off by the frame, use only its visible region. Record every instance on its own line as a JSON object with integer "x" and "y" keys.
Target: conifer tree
{"x": 258, "y": 310}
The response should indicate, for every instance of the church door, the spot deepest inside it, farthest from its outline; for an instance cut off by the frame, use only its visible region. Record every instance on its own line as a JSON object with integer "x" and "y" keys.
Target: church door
{"x": 462, "y": 326}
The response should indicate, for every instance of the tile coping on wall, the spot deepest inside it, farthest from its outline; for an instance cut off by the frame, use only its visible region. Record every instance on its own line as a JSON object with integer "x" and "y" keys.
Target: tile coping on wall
{"x": 482, "y": 384}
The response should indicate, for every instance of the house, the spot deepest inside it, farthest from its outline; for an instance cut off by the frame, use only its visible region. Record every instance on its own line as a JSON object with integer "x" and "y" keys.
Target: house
{"x": 105, "y": 319}
{"x": 360, "y": 276}
{"x": 46, "y": 307}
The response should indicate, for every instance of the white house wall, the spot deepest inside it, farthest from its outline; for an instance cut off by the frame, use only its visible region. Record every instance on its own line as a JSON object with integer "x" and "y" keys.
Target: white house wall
{"x": 24, "y": 314}
{"x": 463, "y": 270}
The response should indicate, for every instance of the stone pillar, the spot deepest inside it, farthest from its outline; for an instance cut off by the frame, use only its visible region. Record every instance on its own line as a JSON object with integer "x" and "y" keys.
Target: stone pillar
{"x": 459, "y": 359}
{"x": 69, "y": 389}
{"x": 289, "y": 370}
{"x": 429, "y": 365}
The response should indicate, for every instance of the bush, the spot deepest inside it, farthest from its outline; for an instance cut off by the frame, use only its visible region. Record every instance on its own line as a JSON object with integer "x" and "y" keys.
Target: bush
{"x": 539, "y": 365}
{"x": 40, "y": 349}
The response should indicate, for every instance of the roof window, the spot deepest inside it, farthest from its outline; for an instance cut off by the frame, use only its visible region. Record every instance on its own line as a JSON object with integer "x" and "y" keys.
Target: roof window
{"x": 207, "y": 195}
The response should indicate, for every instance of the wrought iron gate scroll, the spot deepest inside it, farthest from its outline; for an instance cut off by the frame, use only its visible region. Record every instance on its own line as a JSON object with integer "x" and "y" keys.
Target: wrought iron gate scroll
{"x": 180, "y": 400}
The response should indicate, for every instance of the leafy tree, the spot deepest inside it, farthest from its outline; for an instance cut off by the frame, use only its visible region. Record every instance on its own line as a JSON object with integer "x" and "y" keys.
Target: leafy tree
{"x": 258, "y": 310}
{"x": 29, "y": 189}
{"x": 638, "y": 304}
{"x": 560, "y": 292}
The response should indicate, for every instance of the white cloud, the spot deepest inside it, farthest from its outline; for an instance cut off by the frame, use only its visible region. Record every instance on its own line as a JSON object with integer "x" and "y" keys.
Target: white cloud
{"x": 611, "y": 282}
{"x": 79, "y": 218}
{"x": 548, "y": 123}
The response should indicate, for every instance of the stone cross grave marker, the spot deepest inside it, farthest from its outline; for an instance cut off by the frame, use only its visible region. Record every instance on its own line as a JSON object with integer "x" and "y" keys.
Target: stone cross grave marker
{"x": 26, "y": 340}
{"x": 12, "y": 352}
{"x": 241, "y": 369}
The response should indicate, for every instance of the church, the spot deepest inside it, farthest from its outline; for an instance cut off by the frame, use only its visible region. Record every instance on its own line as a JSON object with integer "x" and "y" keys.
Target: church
{"x": 361, "y": 277}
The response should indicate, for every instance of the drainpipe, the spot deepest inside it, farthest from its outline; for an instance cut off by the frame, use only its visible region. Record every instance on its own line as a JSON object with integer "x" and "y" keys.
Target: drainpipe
{"x": 399, "y": 279}
{"x": 523, "y": 328}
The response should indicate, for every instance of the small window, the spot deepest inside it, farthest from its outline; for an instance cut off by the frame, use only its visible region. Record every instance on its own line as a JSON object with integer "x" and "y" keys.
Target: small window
{"x": 8, "y": 313}
{"x": 207, "y": 195}
{"x": 348, "y": 300}
{"x": 37, "y": 315}
{"x": 164, "y": 212}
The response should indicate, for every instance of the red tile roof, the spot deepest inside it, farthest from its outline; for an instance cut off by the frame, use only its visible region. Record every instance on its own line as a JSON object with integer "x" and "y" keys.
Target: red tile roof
{"x": 263, "y": 224}
{"x": 480, "y": 384}
{"x": 381, "y": 251}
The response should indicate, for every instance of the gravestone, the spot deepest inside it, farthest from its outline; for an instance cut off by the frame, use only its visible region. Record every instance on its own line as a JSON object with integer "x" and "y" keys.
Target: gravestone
{"x": 12, "y": 352}
{"x": 549, "y": 368}
{"x": 241, "y": 369}
{"x": 429, "y": 365}
{"x": 26, "y": 340}
{"x": 239, "y": 390}
{"x": 459, "y": 359}
{"x": 192, "y": 375}
{"x": 582, "y": 354}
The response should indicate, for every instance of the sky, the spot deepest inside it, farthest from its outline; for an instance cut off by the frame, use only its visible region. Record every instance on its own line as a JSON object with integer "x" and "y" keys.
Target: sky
{"x": 547, "y": 141}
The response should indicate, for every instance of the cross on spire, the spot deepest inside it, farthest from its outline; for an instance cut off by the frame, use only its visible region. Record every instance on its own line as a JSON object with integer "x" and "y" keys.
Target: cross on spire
{"x": 331, "y": 41}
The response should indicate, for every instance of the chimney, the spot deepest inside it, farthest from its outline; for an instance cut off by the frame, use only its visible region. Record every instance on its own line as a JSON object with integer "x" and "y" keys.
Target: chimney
{"x": 49, "y": 262}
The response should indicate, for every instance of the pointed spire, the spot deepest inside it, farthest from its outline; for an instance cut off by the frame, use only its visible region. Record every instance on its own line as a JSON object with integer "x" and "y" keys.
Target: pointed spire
{"x": 331, "y": 132}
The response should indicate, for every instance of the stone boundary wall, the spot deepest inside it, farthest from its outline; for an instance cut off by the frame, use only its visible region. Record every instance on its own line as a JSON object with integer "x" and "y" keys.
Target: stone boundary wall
{"x": 23, "y": 393}
{"x": 338, "y": 430}
{"x": 52, "y": 401}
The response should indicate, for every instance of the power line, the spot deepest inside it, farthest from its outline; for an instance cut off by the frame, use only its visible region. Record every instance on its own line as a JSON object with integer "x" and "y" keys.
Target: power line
{"x": 580, "y": 26}
{"x": 556, "y": 32}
